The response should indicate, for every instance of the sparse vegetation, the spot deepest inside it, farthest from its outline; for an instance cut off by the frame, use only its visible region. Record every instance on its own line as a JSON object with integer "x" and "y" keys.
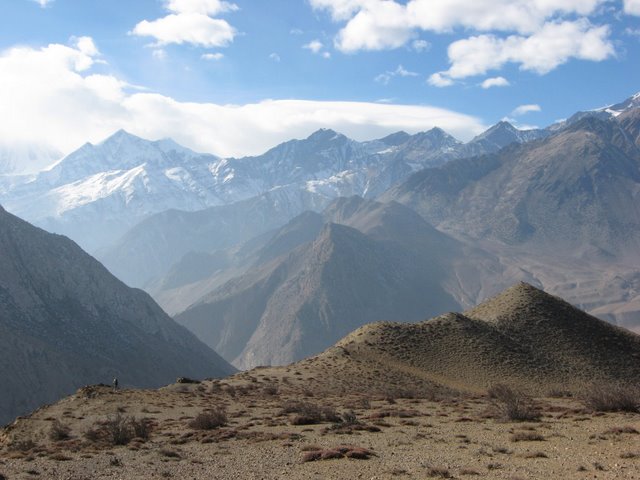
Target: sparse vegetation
{"x": 513, "y": 405}
{"x": 612, "y": 398}
{"x": 59, "y": 431}
{"x": 118, "y": 430}
{"x": 209, "y": 420}
{"x": 439, "y": 472}
{"x": 527, "y": 437}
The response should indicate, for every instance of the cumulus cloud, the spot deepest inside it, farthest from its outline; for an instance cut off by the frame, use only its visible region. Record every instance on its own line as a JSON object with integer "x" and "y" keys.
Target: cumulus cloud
{"x": 385, "y": 78}
{"x": 190, "y": 21}
{"x": 632, "y": 7}
{"x": 495, "y": 82}
{"x": 551, "y": 46}
{"x": 212, "y": 56}
{"x": 439, "y": 80}
{"x": 314, "y": 45}
{"x": 380, "y": 24}
{"x": 524, "y": 109}
{"x": 275, "y": 57}
{"x": 43, "y": 3}
{"x": 420, "y": 45}
{"x": 50, "y": 95}
{"x": 389, "y": 24}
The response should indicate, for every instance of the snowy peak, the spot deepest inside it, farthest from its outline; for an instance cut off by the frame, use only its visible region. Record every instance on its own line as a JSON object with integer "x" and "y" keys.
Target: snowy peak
{"x": 628, "y": 104}
{"x": 502, "y": 134}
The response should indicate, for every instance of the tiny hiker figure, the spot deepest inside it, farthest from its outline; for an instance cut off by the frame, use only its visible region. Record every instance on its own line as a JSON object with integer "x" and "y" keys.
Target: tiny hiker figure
{"x": 115, "y": 384}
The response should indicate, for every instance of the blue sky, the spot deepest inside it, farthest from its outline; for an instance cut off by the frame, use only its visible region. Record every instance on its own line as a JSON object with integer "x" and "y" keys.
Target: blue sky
{"x": 237, "y": 77}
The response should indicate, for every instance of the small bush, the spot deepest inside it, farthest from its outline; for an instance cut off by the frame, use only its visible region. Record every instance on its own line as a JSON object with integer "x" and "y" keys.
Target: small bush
{"x": 118, "y": 430}
{"x": 141, "y": 428}
{"x": 59, "y": 431}
{"x": 513, "y": 405}
{"x": 612, "y": 398}
{"x": 209, "y": 420}
{"x": 439, "y": 472}
{"x": 527, "y": 437}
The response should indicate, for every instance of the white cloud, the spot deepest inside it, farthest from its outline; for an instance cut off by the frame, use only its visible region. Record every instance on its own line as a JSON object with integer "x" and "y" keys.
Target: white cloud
{"x": 43, "y": 3}
{"x": 205, "y": 7}
{"x": 632, "y": 7}
{"x": 524, "y": 109}
{"x": 326, "y": 55}
{"x": 190, "y": 21}
{"x": 194, "y": 28}
{"x": 85, "y": 45}
{"x": 383, "y": 24}
{"x": 439, "y": 80}
{"x": 275, "y": 57}
{"x": 551, "y": 46}
{"x": 75, "y": 105}
{"x": 420, "y": 45}
{"x": 495, "y": 82}
{"x": 314, "y": 45}
{"x": 400, "y": 71}
{"x": 212, "y": 56}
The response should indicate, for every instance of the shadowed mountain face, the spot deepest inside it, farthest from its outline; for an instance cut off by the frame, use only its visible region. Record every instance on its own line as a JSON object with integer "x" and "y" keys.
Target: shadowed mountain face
{"x": 522, "y": 336}
{"x": 66, "y": 322}
{"x": 320, "y": 277}
{"x": 576, "y": 191}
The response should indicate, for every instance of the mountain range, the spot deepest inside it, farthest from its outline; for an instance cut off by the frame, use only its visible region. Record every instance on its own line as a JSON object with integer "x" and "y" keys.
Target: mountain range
{"x": 97, "y": 193}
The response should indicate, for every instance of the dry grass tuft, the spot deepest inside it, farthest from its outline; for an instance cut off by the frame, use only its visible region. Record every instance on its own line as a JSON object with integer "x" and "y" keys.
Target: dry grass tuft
{"x": 527, "y": 437}
{"x": 513, "y": 405}
{"x": 209, "y": 420}
{"x": 59, "y": 431}
{"x": 439, "y": 472}
{"x": 612, "y": 398}
{"x": 343, "y": 451}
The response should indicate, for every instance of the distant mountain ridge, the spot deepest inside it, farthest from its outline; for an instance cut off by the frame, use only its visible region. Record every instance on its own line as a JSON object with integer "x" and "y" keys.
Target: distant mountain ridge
{"x": 97, "y": 193}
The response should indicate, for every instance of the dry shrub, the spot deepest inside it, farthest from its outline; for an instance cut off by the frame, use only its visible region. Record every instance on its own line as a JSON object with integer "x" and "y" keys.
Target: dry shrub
{"x": 141, "y": 428}
{"x": 59, "y": 431}
{"x": 209, "y": 420}
{"x": 513, "y": 405}
{"x": 165, "y": 452}
{"x": 309, "y": 413}
{"x": 22, "y": 446}
{"x": 118, "y": 430}
{"x": 439, "y": 472}
{"x": 527, "y": 437}
{"x": 271, "y": 390}
{"x": 343, "y": 451}
{"x": 620, "y": 430}
{"x": 60, "y": 457}
{"x": 612, "y": 398}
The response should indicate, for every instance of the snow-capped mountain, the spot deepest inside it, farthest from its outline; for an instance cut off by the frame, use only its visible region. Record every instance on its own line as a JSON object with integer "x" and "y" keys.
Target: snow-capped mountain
{"x": 603, "y": 113}
{"x": 97, "y": 193}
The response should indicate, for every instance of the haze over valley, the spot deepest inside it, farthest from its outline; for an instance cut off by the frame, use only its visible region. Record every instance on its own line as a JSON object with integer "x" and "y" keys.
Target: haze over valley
{"x": 319, "y": 239}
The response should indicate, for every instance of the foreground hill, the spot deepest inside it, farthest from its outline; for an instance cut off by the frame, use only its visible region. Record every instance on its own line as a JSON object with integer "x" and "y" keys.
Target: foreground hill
{"x": 522, "y": 336}
{"x": 65, "y": 322}
{"x": 374, "y": 406}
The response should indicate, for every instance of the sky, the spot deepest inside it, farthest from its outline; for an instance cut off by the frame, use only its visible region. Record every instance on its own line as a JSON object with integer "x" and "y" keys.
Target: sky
{"x": 237, "y": 77}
